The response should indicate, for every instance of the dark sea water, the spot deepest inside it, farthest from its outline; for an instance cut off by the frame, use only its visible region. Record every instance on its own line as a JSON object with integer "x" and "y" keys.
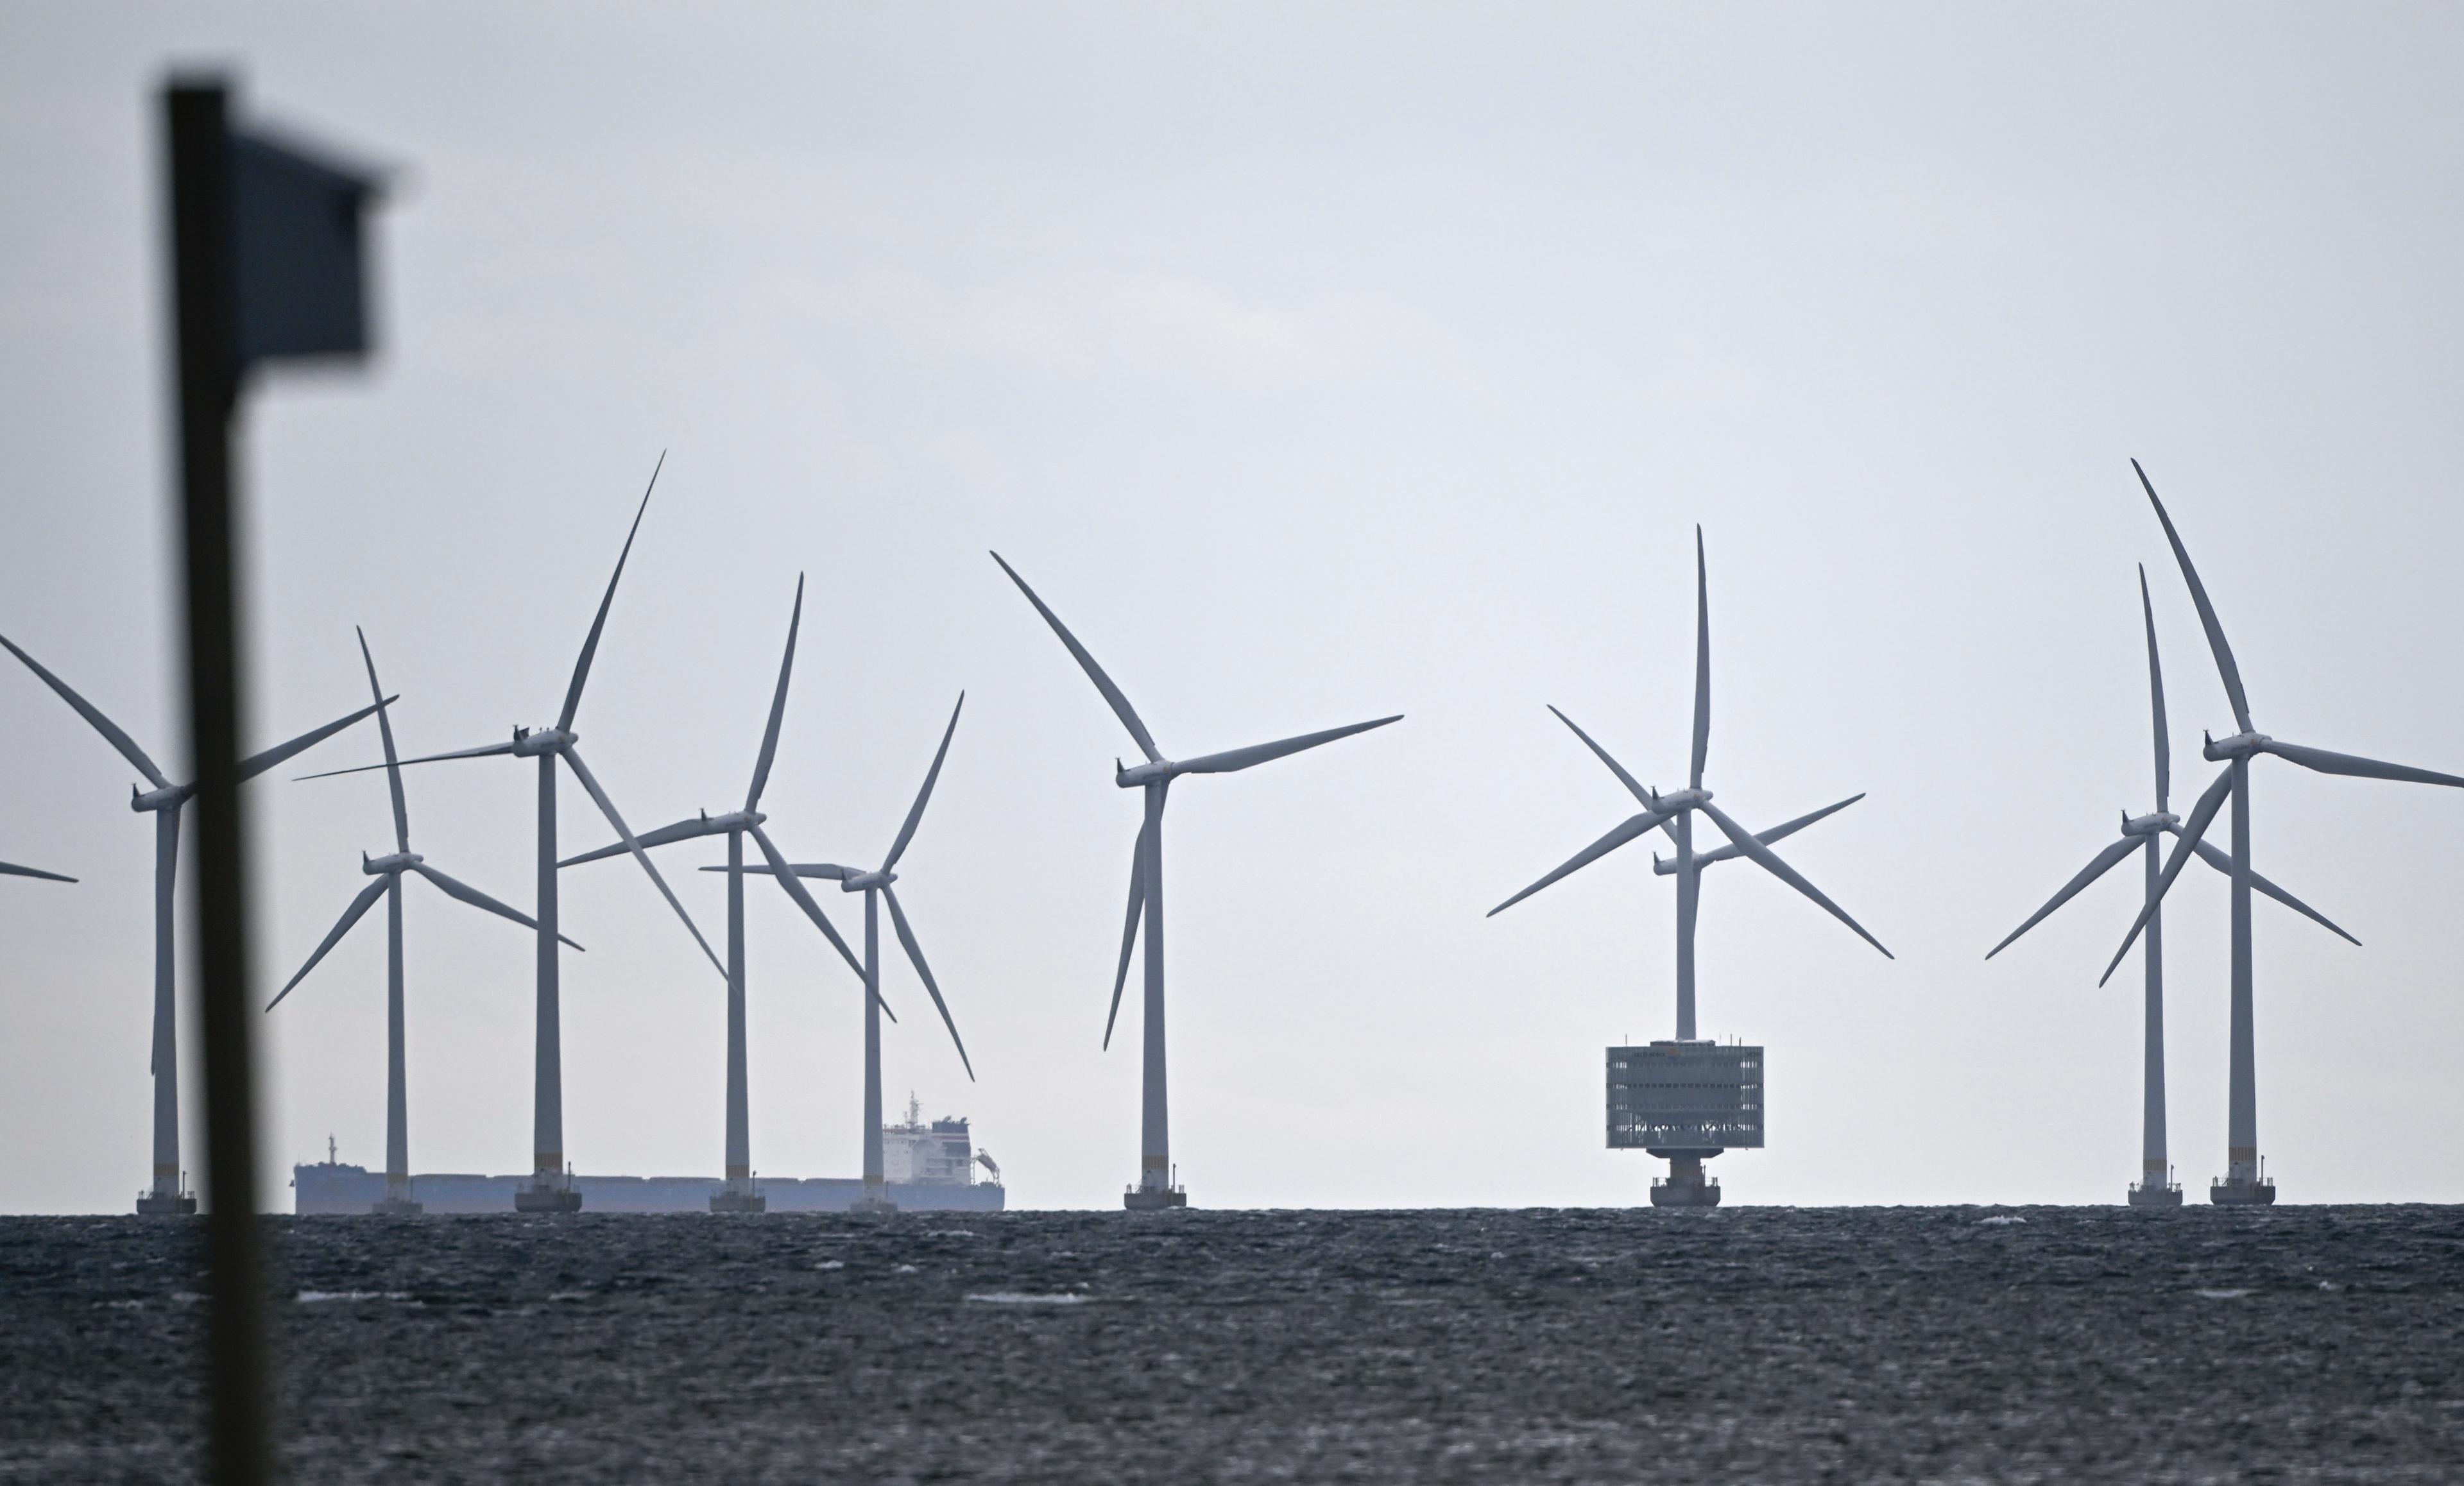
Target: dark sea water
{"x": 1748, "y": 1344}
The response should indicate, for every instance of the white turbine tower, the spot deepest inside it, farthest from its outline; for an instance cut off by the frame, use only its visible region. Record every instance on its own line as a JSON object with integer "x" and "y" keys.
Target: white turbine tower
{"x": 875, "y": 884}
{"x": 551, "y": 1189}
{"x": 738, "y": 1195}
{"x": 1689, "y": 1134}
{"x": 1156, "y": 1187}
{"x": 388, "y": 872}
{"x": 163, "y": 1195}
{"x": 2243, "y": 1183}
{"x": 2143, "y": 834}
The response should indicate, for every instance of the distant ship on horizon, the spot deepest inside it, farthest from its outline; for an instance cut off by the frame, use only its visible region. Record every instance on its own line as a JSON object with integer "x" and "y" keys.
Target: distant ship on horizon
{"x": 930, "y": 1167}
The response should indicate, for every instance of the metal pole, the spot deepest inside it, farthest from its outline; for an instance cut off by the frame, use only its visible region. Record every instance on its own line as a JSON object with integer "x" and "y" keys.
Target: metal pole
{"x": 1154, "y": 1118}
{"x": 873, "y": 1175}
{"x": 740, "y": 1100}
{"x": 203, "y": 281}
{"x": 2154, "y": 1165}
{"x": 547, "y": 1052}
{"x": 2241, "y": 1155}
{"x": 1689, "y": 887}
{"x": 397, "y": 1072}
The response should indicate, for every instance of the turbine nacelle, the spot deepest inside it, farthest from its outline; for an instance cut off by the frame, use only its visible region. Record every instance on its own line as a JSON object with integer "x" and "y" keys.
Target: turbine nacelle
{"x": 399, "y": 862}
{"x": 1677, "y": 800}
{"x": 1161, "y": 772}
{"x": 532, "y": 742}
{"x": 2241, "y": 745}
{"x": 733, "y": 820}
{"x": 169, "y": 797}
{"x": 2156, "y": 824}
{"x": 865, "y": 881}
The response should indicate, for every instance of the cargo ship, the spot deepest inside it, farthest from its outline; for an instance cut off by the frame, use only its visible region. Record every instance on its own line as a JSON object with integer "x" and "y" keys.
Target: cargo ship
{"x": 931, "y": 1166}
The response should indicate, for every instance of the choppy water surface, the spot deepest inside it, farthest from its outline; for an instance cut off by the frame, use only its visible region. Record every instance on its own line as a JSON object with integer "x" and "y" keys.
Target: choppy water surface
{"x": 1752, "y": 1344}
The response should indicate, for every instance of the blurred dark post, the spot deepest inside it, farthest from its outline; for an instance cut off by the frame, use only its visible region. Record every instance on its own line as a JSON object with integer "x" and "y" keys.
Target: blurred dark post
{"x": 266, "y": 263}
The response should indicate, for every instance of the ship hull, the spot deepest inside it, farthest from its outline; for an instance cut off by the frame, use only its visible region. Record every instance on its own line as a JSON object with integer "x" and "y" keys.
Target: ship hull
{"x": 336, "y": 1189}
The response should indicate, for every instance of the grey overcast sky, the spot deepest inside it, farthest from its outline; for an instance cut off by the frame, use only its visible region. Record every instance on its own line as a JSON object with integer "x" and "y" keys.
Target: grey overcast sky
{"x": 1315, "y": 362}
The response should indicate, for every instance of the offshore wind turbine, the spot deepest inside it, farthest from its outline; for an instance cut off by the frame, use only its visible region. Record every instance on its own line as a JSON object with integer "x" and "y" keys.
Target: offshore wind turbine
{"x": 738, "y": 1195}
{"x": 551, "y": 1188}
{"x": 388, "y": 872}
{"x": 1672, "y": 815}
{"x": 2244, "y": 1182}
{"x": 1156, "y": 1187}
{"x": 2145, "y": 834}
{"x": 875, "y": 884}
{"x": 164, "y": 1196}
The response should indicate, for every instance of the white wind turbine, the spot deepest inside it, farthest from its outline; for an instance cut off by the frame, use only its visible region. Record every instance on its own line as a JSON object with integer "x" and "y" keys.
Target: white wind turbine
{"x": 875, "y": 884}
{"x": 550, "y": 1190}
{"x": 738, "y": 1194}
{"x": 2243, "y": 1181}
{"x": 1156, "y": 1187}
{"x": 388, "y": 872}
{"x": 2145, "y": 834}
{"x": 164, "y": 1196}
{"x": 1672, "y": 815}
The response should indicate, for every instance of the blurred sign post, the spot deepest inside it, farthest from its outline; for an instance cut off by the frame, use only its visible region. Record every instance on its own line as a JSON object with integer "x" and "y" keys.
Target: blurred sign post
{"x": 266, "y": 265}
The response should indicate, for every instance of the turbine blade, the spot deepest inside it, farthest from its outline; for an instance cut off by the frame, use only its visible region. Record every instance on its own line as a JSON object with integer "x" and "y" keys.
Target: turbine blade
{"x": 2156, "y": 690}
{"x": 1633, "y": 786}
{"x": 2202, "y": 815}
{"x": 1780, "y": 832}
{"x": 2225, "y": 666}
{"x": 483, "y": 751}
{"x": 11, "y": 869}
{"x": 1764, "y": 858}
{"x": 607, "y": 808}
{"x": 473, "y": 896}
{"x": 820, "y": 869}
{"x": 781, "y": 869}
{"x": 251, "y": 767}
{"x": 1236, "y": 759}
{"x": 2326, "y": 762}
{"x": 2105, "y": 862}
{"x": 110, "y": 731}
{"x": 1129, "y": 931}
{"x": 915, "y": 811}
{"x": 599, "y": 620}
{"x": 351, "y": 915}
{"x": 778, "y": 704}
{"x": 2209, "y": 854}
{"x": 665, "y": 835}
{"x": 1632, "y": 827}
{"x": 915, "y": 955}
{"x": 1120, "y": 704}
{"x": 393, "y": 761}
{"x": 1701, "y": 660}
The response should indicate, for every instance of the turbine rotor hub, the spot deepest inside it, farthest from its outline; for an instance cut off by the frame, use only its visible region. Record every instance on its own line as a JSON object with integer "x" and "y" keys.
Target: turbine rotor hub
{"x": 2156, "y": 824}
{"x": 2241, "y": 745}
{"x": 1143, "y": 775}
{"x": 400, "y": 861}
{"x": 544, "y": 740}
{"x": 865, "y": 881}
{"x": 1676, "y": 800}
